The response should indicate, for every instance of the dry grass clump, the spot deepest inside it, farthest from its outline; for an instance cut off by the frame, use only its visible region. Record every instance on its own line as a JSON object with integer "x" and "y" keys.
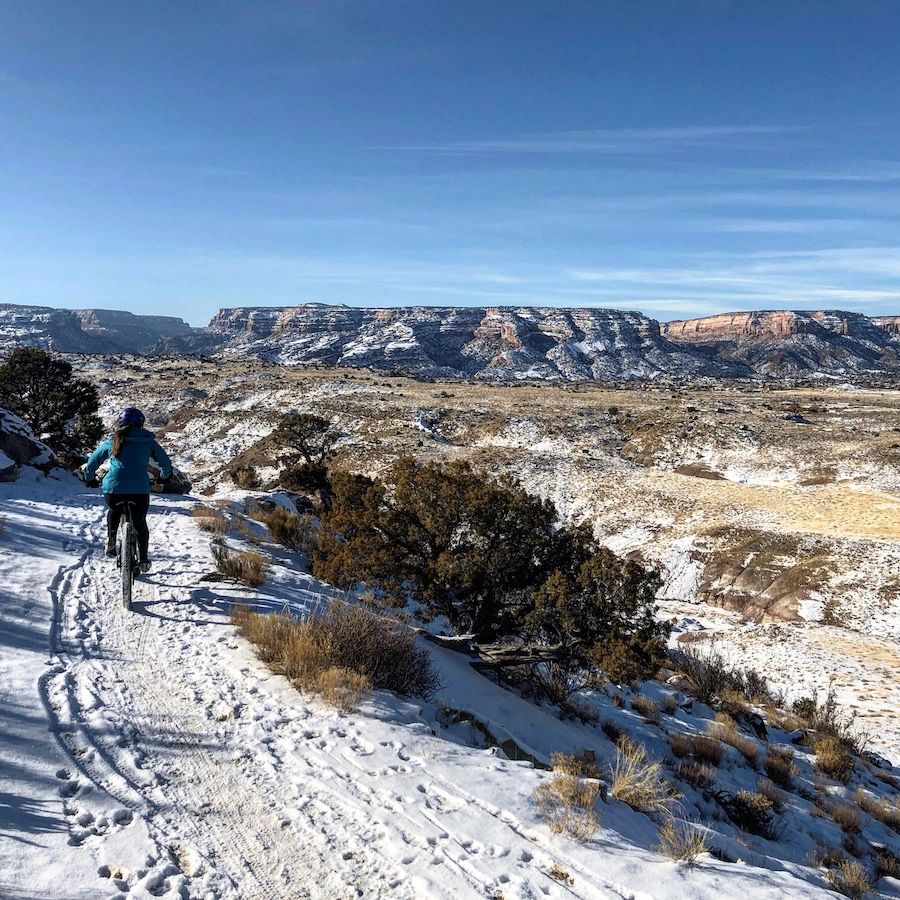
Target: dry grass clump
{"x": 558, "y": 873}
{"x": 779, "y": 766}
{"x": 582, "y": 710}
{"x": 827, "y": 718}
{"x": 751, "y": 811}
{"x": 567, "y": 803}
{"x": 342, "y": 688}
{"x": 825, "y": 857}
{"x": 647, "y": 707}
{"x": 298, "y": 533}
{"x": 746, "y": 746}
{"x": 854, "y": 844}
{"x": 345, "y": 637}
{"x": 703, "y": 748}
{"x": 700, "y": 775}
{"x": 611, "y": 730}
{"x": 850, "y": 879}
{"x": 209, "y": 519}
{"x": 713, "y": 678}
{"x": 680, "y": 744}
{"x": 584, "y": 766}
{"x": 246, "y": 566}
{"x": 783, "y": 719}
{"x": 245, "y": 477}
{"x": 847, "y": 816}
{"x": 773, "y": 794}
{"x": 639, "y": 782}
{"x": 670, "y": 704}
{"x": 681, "y": 841}
{"x": 887, "y": 863}
{"x": 707, "y": 749}
{"x": 880, "y": 808}
{"x": 832, "y": 757}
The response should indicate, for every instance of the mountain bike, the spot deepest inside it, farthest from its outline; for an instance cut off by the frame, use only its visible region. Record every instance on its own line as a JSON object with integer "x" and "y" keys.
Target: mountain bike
{"x": 127, "y": 555}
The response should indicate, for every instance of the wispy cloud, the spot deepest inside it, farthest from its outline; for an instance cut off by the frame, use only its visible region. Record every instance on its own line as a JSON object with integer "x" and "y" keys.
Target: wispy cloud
{"x": 625, "y": 141}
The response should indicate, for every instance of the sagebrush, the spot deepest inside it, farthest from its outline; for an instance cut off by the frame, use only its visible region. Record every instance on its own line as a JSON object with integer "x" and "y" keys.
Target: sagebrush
{"x": 567, "y": 802}
{"x": 638, "y": 781}
{"x": 246, "y": 566}
{"x": 344, "y": 637}
{"x": 681, "y": 841}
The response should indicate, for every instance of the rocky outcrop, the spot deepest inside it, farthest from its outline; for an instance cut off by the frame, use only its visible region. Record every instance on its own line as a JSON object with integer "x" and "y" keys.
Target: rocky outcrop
{"x": 85, "y": 330}
{"x": 501, "y": 343}
{"x": 890, "y": 324}
{"x": 19, "y": 447}
{"x": 467, "y": 342}
{"x": 788, "y": 343}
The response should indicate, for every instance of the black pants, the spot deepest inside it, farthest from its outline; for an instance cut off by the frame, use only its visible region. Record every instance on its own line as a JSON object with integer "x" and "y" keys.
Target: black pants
{"x": 141, "y": 502}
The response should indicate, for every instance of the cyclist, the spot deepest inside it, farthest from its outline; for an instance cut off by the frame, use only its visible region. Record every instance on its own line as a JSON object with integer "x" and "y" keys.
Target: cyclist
{"x": 129, "y": 450}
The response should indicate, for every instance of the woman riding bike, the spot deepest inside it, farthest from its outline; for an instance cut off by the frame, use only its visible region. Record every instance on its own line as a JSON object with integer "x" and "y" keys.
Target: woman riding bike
{"x": 129, "y": 450}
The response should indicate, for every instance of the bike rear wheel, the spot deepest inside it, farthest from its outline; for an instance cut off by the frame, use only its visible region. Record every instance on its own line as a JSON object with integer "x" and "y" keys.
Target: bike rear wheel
{"x": 129, "y": 563}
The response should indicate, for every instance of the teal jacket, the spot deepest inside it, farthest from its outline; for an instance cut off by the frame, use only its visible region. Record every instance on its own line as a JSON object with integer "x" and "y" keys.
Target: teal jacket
{"x": 127, "y": 473}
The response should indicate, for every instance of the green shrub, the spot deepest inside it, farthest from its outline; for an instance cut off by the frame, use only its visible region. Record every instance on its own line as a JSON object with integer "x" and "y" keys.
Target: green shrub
{"x": 491, "y": 558}
{"x": 59, "y": 408}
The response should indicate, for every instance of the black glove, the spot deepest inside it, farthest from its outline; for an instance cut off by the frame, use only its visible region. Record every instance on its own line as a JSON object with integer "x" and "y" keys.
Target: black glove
{"x": 92, "y": 482}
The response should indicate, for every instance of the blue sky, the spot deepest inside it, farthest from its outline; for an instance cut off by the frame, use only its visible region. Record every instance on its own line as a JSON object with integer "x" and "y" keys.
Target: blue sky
{"x": 680, "y": 157}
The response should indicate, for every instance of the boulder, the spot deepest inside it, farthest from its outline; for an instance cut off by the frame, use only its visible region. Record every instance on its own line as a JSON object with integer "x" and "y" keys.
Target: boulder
{"x": 9, "y": 470}
{"x": 179, "y": 483}
{"x": 19, "y": 447}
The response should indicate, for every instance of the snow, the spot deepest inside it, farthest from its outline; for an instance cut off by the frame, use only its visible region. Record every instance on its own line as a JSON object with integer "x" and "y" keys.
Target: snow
{"x": 149, "y": 753}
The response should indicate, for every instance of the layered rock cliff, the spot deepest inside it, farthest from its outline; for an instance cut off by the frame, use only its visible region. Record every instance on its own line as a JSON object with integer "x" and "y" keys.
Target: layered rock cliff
{"x": 85, "y": 330}
{"x": 479, "y": 342}
{"x": 782, "y": 343}
{"x": 506, "y": 343}
{"x": 890, "y": 324}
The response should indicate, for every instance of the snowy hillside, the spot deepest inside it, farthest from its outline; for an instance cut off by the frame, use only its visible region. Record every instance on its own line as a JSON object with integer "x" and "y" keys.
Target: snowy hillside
{"x": 151, "y": 753}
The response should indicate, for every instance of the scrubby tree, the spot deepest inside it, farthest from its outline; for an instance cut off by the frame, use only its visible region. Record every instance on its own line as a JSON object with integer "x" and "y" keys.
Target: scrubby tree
{"x": 60, "y": 408}
{"x": 491, "y": 558}
{"x": 306, "y": 444}
{"x": 466, "y": 547}
{"x": 601, "y": 617}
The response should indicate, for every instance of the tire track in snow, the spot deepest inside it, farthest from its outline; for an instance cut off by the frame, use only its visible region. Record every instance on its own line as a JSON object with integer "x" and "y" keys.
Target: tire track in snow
{"x": 199, "y": 790}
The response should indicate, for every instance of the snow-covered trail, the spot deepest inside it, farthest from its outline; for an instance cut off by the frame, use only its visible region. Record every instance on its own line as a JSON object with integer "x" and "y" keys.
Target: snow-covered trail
{"x": 175, "y": 765}
{"x": 236, "y": 786}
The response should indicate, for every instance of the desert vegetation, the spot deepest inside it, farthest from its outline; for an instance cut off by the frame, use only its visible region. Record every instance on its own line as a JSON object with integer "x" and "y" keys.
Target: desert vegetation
{"x": 494, "y": 561}
{"x": 209, "y": 519}
{"x": 248, "y": 567}
{"x": 60, "y": 408}
{"x": 638, "y": 781}
{"x": 681, "y": 841}
{"x": 298, "y": 532}
{"x": 568, "y": 805}
{"x": 319, "y": 654}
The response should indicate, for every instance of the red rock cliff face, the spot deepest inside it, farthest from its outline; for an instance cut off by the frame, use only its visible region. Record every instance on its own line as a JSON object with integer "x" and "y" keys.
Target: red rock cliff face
{"x": 890, "y": 324}
{"x": 775, "y": 324}
{"x": 729, "y": 326}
